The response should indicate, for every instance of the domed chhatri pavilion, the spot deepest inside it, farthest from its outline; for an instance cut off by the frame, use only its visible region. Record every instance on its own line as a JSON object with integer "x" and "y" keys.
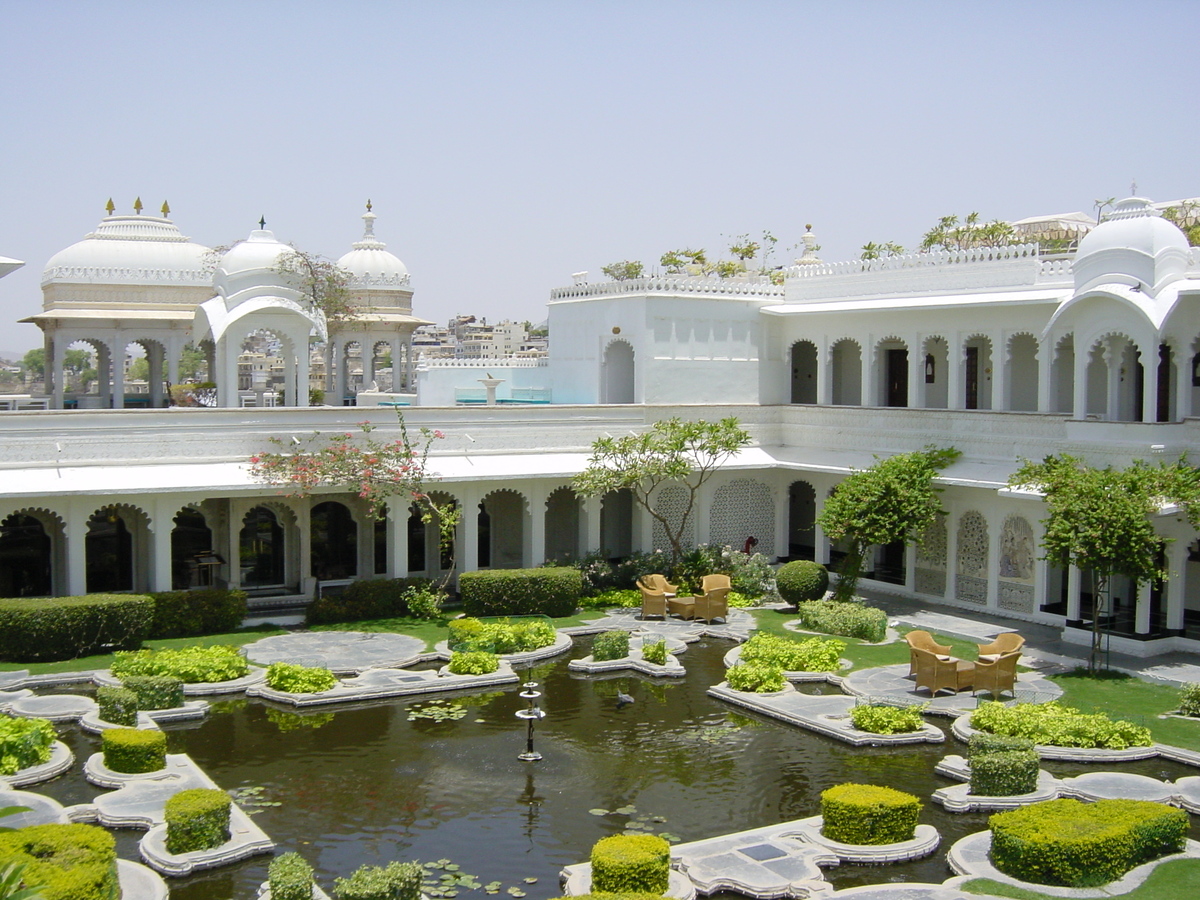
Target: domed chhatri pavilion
{"x": 1005, "y": 353}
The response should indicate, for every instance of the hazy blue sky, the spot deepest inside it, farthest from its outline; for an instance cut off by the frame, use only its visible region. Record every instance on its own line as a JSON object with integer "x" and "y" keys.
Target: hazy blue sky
{"x": 508, "y": 144}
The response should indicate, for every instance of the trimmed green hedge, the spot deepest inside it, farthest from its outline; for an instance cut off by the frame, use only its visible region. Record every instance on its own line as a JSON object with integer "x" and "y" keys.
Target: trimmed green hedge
{"x": 794, "y": 655}
{"x": 367, "y": 598}
{"x": 502, "y": 636}
{"x": 1059, "y": 726}
{"x": 70, "y": 862}
{"x": 521, "y": 592}
{"x": 44, "y": 629}
{"x": 985, "y": 742}
{"x": 132, "y": 751}
{"x": 631, "y": 863}
{"x": 296, "y": 679}
{"x": 849, "y": 619}
{"x": 155, "y": 691}
{"x": 396, "y": 881}
{"x": 1189, "y": 700}
{"x": 24, "y": 743}
{"x": 195, "y": 612}
{"x": 197, "y": 819}
{"x": 118, "y": 705}
{"x": 801, "y": 580}
{"x": 755, "y": 678}
{"x": 1066, "y": 842}
{"x": 192, "y": 665}
{"x": 473, "y": 662}
{"x": 868, "y": 814}
{"x": 1004, "y": 774}
{"x": 883, "y": 719}
{"x": 655, "y": 653}
{"x": 290, "y": 877}
{"x": 610, "y": 645}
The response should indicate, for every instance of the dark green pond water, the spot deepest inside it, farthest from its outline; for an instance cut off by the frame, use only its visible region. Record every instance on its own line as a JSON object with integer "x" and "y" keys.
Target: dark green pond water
{"x": 367, "y": 785}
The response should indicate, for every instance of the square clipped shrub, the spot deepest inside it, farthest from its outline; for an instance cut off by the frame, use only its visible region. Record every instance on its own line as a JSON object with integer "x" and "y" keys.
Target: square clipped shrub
{"x": 197, "y": 819}
{"x": 155, "y": 691}
{"x": 868, "y": 814}
{"x": 502, "y": 636}
{"x": 132, "y": 751}
{"x": 196, "y": 612}
{"x": 1059, "y": 726}
{"x": 290, "y": 877}
{"x": 884, "y": 719}
{"x": 655, "y": 653}
{"x": 118, "y": 705}
{"x": 806, "y": 655}
{"x": 367, "y": 598}
{"x": 610, "y": 645}
{"x": 1004, "y": 773}
{"x": 755, "y": 678}
{"x": 551, "y": 592}
{"x": 1189, "y": 700}
{"x": 395, "y": 881}
{"x": 984, "y": 742}
{"x": 296, "y": 679}
{"x": 43, "y": 629}
{"x": 1066, "y": 842}
{"x": 631, "y": 863}
{"x": 24, "y": 743}
{"x": 70, "y": 862}
{"x": 192, "y": 665}
{"x": 856, "y": 620}
{"x": 473, "y": 662}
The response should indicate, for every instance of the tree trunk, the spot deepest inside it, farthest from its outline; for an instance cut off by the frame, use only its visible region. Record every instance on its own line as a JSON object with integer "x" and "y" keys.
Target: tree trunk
{"x": 1099, "y": 591}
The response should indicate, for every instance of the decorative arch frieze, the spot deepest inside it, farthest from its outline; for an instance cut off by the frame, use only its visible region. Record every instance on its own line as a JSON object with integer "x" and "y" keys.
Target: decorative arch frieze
{"x": 931, "y": 559}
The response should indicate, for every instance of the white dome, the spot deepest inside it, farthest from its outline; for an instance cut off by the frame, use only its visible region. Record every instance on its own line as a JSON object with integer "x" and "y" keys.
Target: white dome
{"x": 370, "y": 264}
{"x": 130, "y": 250}
{"x": 1135, "y": 245}
{"x": 251, "y": 263}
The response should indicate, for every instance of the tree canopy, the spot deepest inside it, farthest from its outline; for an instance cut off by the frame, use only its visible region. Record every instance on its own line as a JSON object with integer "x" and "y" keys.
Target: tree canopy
{"x": 893, "y": 500}
{"x": 670, "y": 452}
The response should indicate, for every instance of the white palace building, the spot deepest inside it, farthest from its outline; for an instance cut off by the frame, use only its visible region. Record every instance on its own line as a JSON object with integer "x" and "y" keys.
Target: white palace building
{"x": 1004, "y": 353}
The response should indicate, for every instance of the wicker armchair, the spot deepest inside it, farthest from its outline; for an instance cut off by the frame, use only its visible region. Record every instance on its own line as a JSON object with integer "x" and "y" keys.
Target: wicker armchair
{"x": 654, "y": 603}
{"x": 922, "y": 640}
{"x": 658, "y": 583}
{"x": 942, "y": 675}
{"x": 998, "y": 675}
{"x": 713, "y": 582}
{"x": 713, "y": 604}
{"x": 1007, "y": 642}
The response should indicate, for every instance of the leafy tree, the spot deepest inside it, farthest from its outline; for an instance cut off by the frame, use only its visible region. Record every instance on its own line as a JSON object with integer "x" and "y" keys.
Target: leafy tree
{"x": 673, "y": 261}
{"x": 950, "y": 234}
{"x": 324, "y": 281}
{"x": 744, "y": 248}
{"x": 1100, "y": 519}
{"x": 871, "y": 250}
{"x": 139, "y": 369}
{"x": 378, "y": 471}
{"x": 34, "y": 362}
{"x": 1187, "y": 217}
{"x": 893, "y": 500}
{"x": 192, "y": 363}
{"x": 671, "y": 452}
{"x": 625, "y": 270}
{"x": 75, "y": 361}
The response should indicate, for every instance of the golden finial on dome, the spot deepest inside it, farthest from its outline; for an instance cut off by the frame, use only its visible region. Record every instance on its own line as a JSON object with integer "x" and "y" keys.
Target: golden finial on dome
{"x": 110, "y": 207}
{"x": 137, "y": 206}
{"x": 166, "y": 209}
{"x": 368, "y": 205}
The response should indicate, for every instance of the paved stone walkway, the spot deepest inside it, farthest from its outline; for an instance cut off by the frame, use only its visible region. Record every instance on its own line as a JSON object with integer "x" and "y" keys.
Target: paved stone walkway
{"x": 345, "y": 652}
{"x": 893, "y": 684}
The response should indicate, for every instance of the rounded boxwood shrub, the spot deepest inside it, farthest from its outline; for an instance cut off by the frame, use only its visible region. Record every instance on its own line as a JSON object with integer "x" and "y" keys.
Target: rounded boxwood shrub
{"x": 295, "y": 679}
{"x": 290, "y": 877}
{"x": 473, "y": 662}
{"x": 885, "y": 719}
{"x": 1004, "y": 773}
{"x": 631, "y": 863}
{"x": 868, "y": 814}
{"x": 24, "y": 743}
{"x": 801, "y": 580}
{"x": 197, "y": 819}
{"x": 118, "y": 705}
{"x": 757, "y": 678}
{"x": 521, "y": 592}
{"x": 70, "y": 862}
{"x": 155, "y": 691}
{"x": 1066, "y": 842}
{"x": 395, "y": 881}
{"x": 611, "y": 645}
{"x": 192, "y": 665}
{"x": 132, "y": 751}
{"x": 367, "y": 598}
{"x": 42, "y": 629}
{"x": 655, "y": 653}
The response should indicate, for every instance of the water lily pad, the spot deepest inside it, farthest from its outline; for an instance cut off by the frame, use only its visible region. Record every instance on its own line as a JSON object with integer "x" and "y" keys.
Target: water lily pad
{"x": 598, "y": 811}
{"x": 452, "y": 867}
{"x": 670, "y": 838}
{"x": 531, "y": 881}
{"x": 626, "y": 810}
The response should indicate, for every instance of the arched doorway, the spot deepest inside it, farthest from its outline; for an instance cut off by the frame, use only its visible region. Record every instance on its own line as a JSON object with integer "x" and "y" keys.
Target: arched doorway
{"x": 504, "y": 537}
{"x": 109, "y": 552}
{"x": 804, "y": 372}
{"x": 802, "y": 520}
{"x": 892, "y": 360}
{"x": 617, "y": 381}
{"x": 191, "y": 546}
{"x": 846, "y": 371}
{"x": 616, "y": 524}
{"x": 333, "y": 549}
{"x": 262, "y": 550}
{"x": 1022, "y": 373}
{"x": 562, "y": 525}
{"x": 26, "y": 557}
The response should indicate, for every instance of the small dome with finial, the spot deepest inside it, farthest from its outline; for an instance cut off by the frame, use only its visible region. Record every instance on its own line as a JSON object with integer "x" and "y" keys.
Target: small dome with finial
{"x": 1134, "y": 244}
{"x": 370, "y": 264}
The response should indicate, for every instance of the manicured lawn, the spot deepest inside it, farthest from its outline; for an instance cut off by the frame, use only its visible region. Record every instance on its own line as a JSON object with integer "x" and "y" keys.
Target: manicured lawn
{"x": 1172, "y": 880}
{"x": 1139, "y": 701}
